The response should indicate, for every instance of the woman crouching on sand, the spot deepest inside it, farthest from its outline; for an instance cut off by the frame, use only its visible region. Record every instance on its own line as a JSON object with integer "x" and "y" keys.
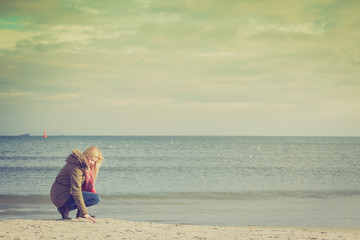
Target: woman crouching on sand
{"x": 74, "y": 185}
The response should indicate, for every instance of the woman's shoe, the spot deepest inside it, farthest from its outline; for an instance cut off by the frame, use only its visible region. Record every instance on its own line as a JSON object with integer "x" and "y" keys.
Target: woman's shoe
{"x": 79, "y": 215}
{"x": 64, "y": 211}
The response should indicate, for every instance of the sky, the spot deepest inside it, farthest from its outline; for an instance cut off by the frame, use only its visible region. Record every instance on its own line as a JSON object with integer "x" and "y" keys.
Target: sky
{"x": 171, "y": 67}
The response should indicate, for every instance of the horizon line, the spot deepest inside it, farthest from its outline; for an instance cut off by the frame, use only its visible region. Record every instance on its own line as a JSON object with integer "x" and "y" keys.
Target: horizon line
{"x": 174, "y": 135}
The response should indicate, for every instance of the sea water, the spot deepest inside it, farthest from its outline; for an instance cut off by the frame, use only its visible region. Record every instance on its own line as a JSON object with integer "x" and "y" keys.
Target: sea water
{"x": 276, "y": 181}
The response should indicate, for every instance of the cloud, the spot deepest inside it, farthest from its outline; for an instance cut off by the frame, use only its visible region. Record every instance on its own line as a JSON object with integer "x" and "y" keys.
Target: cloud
{"x": 63, "y": 97}
{"x": 222, "y": 54}
{"x": 9, "y": 95}
{"x": 12, "y": 37}
{"x": 199, "y": 59}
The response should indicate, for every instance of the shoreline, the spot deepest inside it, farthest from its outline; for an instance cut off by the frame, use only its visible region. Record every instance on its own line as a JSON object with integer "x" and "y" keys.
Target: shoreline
{"x": 106, "y": 228}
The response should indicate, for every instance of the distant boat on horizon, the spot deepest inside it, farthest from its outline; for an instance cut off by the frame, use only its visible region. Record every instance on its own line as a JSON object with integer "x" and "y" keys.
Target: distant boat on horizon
{"x": 24, "y": 134}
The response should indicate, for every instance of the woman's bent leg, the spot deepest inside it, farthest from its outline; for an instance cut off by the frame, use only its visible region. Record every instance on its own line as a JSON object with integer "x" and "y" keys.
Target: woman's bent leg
{"x": 90, "y": 199}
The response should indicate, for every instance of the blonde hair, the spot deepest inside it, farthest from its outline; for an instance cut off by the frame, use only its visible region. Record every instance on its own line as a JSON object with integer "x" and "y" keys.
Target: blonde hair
{"x": 90, "y": 153}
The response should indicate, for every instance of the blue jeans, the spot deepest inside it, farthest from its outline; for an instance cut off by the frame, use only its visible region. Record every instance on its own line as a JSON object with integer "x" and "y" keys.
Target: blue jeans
{"x": 90, "y": 199}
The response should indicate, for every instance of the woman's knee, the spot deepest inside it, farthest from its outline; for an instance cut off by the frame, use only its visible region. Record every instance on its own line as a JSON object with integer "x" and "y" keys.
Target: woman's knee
{"x": 94, "y": 200}
{"x": 97, "y": 198}
{"x": 91, "y": 198}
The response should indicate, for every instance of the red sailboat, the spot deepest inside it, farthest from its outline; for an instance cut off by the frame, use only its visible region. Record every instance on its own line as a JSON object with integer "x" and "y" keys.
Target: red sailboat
{"x": 45, "y": 134}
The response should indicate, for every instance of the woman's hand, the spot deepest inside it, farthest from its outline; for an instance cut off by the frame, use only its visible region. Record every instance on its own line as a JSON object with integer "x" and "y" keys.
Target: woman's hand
{"x": 89, "y": 218}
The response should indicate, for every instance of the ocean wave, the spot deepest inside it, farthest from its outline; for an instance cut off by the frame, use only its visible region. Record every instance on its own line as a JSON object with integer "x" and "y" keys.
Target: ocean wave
{"x": 37, "y": 199}
{"x": 248, "y": 195}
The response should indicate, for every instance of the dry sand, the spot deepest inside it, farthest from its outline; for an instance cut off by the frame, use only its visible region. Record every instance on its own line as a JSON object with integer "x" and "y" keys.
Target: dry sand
{"x": 117, "y": 229}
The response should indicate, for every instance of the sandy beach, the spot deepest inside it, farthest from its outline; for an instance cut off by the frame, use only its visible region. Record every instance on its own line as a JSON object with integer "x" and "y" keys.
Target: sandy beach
{"x": 124, "y": 230}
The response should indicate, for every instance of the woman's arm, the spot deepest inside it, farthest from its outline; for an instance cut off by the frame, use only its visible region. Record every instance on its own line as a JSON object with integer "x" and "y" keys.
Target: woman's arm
{"x": 76, "y": 175}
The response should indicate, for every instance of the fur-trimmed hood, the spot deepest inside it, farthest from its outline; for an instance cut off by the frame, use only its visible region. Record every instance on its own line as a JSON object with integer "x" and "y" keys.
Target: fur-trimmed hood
{"x": 76, "y": 157}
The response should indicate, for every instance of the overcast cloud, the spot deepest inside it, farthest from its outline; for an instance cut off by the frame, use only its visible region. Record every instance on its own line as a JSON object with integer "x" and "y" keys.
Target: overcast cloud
{"x": 190, "y": 67}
